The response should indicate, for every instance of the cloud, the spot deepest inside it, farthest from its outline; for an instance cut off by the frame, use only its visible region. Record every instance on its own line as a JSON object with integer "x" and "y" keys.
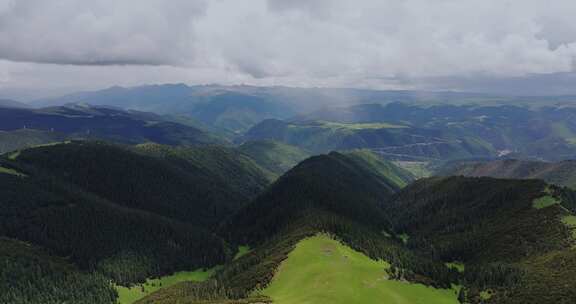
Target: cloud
{"x": 98, "y": 32}
{"x": 387, "y": 38}
{"x": 376, "y": 43}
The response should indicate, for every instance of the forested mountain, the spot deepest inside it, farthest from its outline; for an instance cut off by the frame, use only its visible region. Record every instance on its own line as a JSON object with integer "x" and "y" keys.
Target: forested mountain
{"x": 559, "y": 173}
{"x": 122, "y": 213}
{"x": 84, "y": 122}
{"x": 395, "y": 141}
{"x": 509, "y": 234}
{"x": 335, "y": 183}
{"x": 275, "y": 156}
{"x": 333, "y": 193}
{"x": 176, "y": 187}
{"x": 232, "y": 168}
{"x": 545, "y": 131}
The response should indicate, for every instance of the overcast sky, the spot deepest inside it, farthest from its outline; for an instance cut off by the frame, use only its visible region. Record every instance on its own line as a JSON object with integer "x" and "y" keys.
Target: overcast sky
{"x": 63, "y": 45}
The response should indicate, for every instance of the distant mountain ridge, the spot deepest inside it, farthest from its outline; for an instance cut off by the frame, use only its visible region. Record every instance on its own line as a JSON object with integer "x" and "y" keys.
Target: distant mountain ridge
{"x": 89, "y": 122}
{"x": 560, "y": 173}
{"x": 237, "y": 108}
{"x": 7, "y": 103}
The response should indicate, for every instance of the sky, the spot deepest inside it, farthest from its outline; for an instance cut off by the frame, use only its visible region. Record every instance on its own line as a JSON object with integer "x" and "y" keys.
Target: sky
{"x": 514, "y": 46}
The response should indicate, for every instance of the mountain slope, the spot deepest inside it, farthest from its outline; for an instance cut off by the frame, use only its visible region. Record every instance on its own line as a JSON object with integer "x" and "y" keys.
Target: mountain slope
{"x": 189, "y": 193}
{"x": 559, "y": 173}
{"x": 125, "y": 213}
{"x": 396, "y": 140}
{"x": 29, "y": 275}
{"x": 372, "y": 162}
{"x": 83, "y": 122}
{"x": 536, "y": 131}
{"x": 333, "y": 183}
{"x": 225, "y": 164}
{"x": 229, "y": 108}
{"x": 342, "y": 275}
{"x": 331, "y": 193}
{"x": 275, "y": 156}
{"x": 503, "y": 230}
{"x": 125, "y": 245}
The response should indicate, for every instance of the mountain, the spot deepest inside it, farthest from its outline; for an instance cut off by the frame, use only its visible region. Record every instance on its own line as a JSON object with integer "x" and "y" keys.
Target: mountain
{"x": 176, "y": 186}
{"x": 123, "y": 213}
{"x": 395, "y": 141}
{"x": 559, "y": 173}
{"x": 370, "y": 161}
{"x": 98, "y": 213}
{"x": 226, "y": 164}
{"x": 509, "y": 234}
{"x": 85, "y": 122}
{"x": 541, "y": 131}
{"x": 334, "y": 193}
{"x": 229, "y": 109}
{"x": 7, "y": 103}
{"x": 234, "y": 109}
{"x": 275, "y": 156}
{"x": 126, "y": 245}
{"x": 327, "y": 182}
{"x": 449, "y": 240}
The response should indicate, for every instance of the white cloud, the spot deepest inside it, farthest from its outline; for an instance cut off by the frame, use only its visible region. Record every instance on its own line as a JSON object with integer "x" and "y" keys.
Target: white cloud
{"x": 98, "y": 32}
{"x": 297, "y": 42}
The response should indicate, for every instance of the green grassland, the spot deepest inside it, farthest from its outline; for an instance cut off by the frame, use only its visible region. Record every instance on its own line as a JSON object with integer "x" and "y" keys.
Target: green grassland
{"x": 129, "y": 295}
{"x": 419, "y": 169}
{"x": 322, "y": 270}
{"x": 570, "y": 221}
{"x": 545, "y": 201}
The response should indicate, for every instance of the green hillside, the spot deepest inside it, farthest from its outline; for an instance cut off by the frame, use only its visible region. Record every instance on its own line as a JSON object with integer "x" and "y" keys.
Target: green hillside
{"x": 372, "y": 162}
{"x": 323, "y": 270}
{"x": 275, "y": 156}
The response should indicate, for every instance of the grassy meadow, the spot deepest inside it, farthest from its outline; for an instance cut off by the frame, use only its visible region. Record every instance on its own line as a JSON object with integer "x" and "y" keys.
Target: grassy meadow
{"x": 322, "y": 270}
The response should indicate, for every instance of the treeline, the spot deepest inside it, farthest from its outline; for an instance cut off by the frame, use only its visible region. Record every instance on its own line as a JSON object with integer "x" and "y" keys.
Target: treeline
{"x": 29, "y": 276}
